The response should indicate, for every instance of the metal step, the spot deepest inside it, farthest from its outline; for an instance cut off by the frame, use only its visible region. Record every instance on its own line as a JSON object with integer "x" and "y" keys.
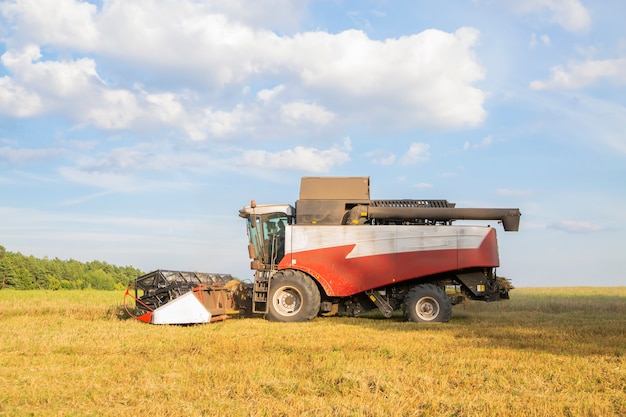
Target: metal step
{"x": 261, "y": 291}
{"x": 381, "y": 303}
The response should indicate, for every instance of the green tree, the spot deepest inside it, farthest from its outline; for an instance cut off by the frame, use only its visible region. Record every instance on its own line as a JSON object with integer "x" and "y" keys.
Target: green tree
{"x": 24, "y": 280}
{"x": 53, "y": 283}
{"x": 3, "y": 267}
{"x": 28, "y": 272}
{"x": 100, "y": 280}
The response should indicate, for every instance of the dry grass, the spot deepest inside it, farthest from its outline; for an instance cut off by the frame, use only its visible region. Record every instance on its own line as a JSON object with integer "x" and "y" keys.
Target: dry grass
{"x": 546, "y": 352}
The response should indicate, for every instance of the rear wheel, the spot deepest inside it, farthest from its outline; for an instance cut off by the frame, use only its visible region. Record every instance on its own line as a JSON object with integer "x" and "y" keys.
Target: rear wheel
{"x": 293, "y": 297}
{"x": 427, "y": 303}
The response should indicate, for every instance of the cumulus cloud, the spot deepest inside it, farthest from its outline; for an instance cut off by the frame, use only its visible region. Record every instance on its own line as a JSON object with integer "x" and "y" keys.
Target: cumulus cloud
{"x": 133, "y": 63}
{"x": 17, "y": 101}
{"x": 425, "y": 78}
{"x": 296, "y": 113}
{"x": 418, "y": 152}
{"x": 62, "y": 79}
{"x": 61, "y": 22}
{"x": 69, "y": 86}
{"x": 575, "y": 226}
{"x": 581, "y": 74}
{"x": 300, "y": 158}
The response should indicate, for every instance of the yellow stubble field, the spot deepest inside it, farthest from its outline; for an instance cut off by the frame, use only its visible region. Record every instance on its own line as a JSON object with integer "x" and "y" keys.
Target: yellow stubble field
{"x": 545, "y": 352}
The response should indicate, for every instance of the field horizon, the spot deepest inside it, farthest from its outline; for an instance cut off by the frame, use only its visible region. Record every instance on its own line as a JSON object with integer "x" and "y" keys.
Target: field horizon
{"x": 549, "y": 351}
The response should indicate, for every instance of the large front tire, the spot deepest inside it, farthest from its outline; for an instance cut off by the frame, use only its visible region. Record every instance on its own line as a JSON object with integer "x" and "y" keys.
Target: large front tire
{"x": 427, "y": 303}
{"x": 293, "y": 297}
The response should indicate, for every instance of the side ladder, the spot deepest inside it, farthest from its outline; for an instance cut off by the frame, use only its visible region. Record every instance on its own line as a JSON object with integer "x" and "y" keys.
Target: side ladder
{"x": 261, "y": 291}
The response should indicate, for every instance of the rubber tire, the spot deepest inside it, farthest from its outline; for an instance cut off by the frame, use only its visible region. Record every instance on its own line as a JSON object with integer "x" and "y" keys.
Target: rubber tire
{"x": 293, "y": 297}
{"x": 427, "y": 303}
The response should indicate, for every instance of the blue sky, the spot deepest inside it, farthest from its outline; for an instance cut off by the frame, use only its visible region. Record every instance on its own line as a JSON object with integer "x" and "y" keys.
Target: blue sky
{"x": 132, "y": 131}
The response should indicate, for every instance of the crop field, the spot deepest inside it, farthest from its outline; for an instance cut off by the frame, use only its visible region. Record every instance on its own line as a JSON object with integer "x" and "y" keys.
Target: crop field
{"x": 545, "y": 352}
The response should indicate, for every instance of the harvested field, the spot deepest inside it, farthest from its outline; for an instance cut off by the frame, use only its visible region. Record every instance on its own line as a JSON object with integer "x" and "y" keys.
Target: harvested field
{"x": 545, "y": 352}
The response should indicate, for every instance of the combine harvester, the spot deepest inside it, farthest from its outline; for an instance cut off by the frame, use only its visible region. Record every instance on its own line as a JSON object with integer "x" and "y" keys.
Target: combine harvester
{"x": 339, "y": 252}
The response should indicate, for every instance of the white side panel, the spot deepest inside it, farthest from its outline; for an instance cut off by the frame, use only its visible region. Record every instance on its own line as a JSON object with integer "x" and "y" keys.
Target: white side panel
{"x": 186, "y": 309}
{"x": 377, "y": 240}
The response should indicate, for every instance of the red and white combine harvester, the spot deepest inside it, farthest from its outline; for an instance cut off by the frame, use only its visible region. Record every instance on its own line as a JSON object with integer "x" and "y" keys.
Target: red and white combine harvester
{"x": 337, "y": 252}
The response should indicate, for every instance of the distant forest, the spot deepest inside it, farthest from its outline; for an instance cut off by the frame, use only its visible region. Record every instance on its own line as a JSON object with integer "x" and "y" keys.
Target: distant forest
{"x": 29, "y": 273}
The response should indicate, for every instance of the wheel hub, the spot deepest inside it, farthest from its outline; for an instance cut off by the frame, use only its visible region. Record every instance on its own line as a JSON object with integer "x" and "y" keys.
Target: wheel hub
{"x": 287, "y": 301}
{"x": 427, "y": 308}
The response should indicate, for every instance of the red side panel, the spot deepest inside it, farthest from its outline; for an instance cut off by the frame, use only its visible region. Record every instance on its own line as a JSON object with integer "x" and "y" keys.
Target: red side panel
{"x": 347, "y": 260}
{"x": 485, "y": 255}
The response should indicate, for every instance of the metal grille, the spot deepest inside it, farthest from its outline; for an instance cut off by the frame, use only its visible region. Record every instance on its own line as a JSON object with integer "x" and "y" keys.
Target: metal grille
{"x": 412, "y": 203}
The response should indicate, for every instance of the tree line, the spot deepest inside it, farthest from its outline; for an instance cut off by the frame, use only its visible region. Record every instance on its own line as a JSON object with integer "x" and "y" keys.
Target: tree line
{"x": 29, "y": 273}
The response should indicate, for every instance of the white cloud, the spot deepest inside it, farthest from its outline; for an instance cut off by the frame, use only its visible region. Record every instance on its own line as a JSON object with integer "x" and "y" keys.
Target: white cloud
{"x": 59, "y": 79}
{"x": 61, "y": 22}
{"x": 582, "y": 74}
{"x": 15, "y": 100}
{"x": 423, "y": 79}
{"x": 575, "y": 226}
{"x": 423, "y": 185}
{"x": 269, "y": 94}
{"x": 68, "y": 86}
{"x": 300, "y": 158}
{"x": 571, "y": 15}
{"x": 297, "y": 113}
{"x": 188, "y": 57}
{"x": 418, "y": 152}
{"x": 184, "y": 41}
{"x": 167, "y": 106}
{"x": 117, "y": 109}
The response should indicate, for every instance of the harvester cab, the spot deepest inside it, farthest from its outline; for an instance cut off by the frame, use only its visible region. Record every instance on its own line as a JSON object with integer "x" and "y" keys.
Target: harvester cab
{"x": 266, "y": 226}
